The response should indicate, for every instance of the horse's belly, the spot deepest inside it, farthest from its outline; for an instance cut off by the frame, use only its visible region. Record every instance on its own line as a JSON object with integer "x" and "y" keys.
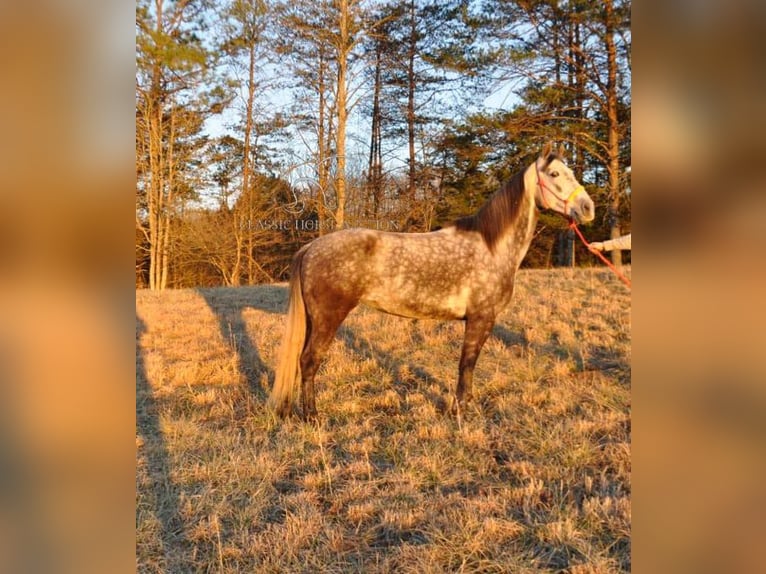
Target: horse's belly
{"x": 421, "y": 306}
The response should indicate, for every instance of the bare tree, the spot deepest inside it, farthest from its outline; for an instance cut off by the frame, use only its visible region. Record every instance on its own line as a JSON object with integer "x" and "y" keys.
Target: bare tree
{"x": 244, "y": 29}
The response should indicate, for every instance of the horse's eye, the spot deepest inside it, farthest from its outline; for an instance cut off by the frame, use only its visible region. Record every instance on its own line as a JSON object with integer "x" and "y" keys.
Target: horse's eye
{"x": 554, "y": 174}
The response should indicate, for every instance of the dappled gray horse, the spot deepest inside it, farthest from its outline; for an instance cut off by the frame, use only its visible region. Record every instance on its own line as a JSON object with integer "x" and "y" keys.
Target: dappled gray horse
{"x": 464, "y": 271}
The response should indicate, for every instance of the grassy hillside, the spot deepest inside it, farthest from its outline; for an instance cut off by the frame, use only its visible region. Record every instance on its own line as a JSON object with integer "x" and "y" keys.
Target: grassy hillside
{"x": 536, "y": 478}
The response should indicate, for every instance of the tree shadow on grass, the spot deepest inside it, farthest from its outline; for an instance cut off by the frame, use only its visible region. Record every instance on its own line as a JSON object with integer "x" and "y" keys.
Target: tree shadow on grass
{"x": 551, "y": 348}
{"x": 609, "y": 360}
{"x": 597, "y": 358}
{"x": 228, "y": 305}
{"x": 162, "y": 493}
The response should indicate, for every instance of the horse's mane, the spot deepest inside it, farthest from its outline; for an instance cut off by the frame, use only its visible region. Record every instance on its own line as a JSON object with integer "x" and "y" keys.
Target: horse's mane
{"x": 497, "y": 213}
{"x": 500, "y": 211}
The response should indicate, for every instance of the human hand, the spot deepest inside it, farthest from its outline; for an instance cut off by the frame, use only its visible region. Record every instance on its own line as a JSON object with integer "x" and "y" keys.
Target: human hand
{"x": 596, "y": 246}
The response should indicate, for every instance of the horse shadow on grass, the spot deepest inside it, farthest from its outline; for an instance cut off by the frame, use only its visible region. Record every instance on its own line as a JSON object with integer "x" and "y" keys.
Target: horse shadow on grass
{"x": 229, "y": 305}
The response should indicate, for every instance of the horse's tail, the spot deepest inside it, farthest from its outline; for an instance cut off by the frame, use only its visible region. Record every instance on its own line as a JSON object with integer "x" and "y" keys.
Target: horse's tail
{"x": 288, "y": 371}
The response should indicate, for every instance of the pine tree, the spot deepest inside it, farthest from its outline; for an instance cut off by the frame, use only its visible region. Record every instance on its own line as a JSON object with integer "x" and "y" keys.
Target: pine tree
{"x": 172, "y": 102}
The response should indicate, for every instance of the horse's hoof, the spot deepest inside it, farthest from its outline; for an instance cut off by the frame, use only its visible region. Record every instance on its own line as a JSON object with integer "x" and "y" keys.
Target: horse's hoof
{"x": 310, "y": 417}
{"x": 454, "y": 407}
{"x": 283, "y": 412}
{"x": 457, "y": 406}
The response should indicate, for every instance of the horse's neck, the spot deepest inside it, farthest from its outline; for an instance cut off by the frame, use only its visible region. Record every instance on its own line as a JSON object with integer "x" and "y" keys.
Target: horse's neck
{"x": 516, "y": 240}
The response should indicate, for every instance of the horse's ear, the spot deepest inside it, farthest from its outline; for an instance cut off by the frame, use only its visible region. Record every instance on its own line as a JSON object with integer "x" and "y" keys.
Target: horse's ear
{"x": 546, "y": 149}
{"x": 561, "y": 150}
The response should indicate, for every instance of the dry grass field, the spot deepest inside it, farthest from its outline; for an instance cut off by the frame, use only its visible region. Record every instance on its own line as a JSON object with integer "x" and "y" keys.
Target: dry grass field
{"x": 535, "y": 478}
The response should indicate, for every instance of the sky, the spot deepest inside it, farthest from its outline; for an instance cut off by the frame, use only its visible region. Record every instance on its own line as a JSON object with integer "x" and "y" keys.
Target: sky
{"x": 502, "y": 98}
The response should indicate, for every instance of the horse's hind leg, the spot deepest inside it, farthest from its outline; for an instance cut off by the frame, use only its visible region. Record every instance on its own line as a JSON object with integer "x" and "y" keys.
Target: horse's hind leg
{"x": 322, "y": 324}
{"x": 477, "y": 329}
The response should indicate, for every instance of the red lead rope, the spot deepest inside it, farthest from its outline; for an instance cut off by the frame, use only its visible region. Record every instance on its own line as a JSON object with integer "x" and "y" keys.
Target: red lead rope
{"x": 573, "y": 225}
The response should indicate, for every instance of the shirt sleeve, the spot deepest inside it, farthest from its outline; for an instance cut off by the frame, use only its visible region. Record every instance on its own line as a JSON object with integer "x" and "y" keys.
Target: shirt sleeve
{"x": 622, "y": 243}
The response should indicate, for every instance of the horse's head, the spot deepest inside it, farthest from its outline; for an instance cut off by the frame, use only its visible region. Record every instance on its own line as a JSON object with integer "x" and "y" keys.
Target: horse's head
{"x": 558, "y": 189}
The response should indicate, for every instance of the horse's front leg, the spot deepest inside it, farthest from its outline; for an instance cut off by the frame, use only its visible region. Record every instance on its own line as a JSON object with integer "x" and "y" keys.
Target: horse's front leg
{"x": 477, "y": 329}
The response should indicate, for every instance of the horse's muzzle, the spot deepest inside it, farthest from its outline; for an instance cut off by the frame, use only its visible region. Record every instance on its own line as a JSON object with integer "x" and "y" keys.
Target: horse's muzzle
{"x": 583, "y": 210}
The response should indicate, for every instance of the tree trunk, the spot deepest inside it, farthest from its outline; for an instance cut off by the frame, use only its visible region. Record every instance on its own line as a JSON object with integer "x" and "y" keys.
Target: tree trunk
{"x": 374, "y": 172}
{"x": 341, "y": 110}
{"x": 158, "y": 194}
{"x": 579, "y": 63}
{"x": 169, "y": 205}
{"x": 576, "y": 86}
{"x": 156, "y": 187}
{"x": 412, "y": 49}
{"x": 613, "y": 137}
{"x": 245, "y": 226}
{"x": 154, "y": 192}
{"x": 322, "y": 171}
{"x": 236, "y": 268}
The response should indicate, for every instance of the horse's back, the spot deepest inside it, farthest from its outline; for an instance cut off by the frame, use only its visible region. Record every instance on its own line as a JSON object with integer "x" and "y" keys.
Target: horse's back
{"x": 420, "y": 275}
